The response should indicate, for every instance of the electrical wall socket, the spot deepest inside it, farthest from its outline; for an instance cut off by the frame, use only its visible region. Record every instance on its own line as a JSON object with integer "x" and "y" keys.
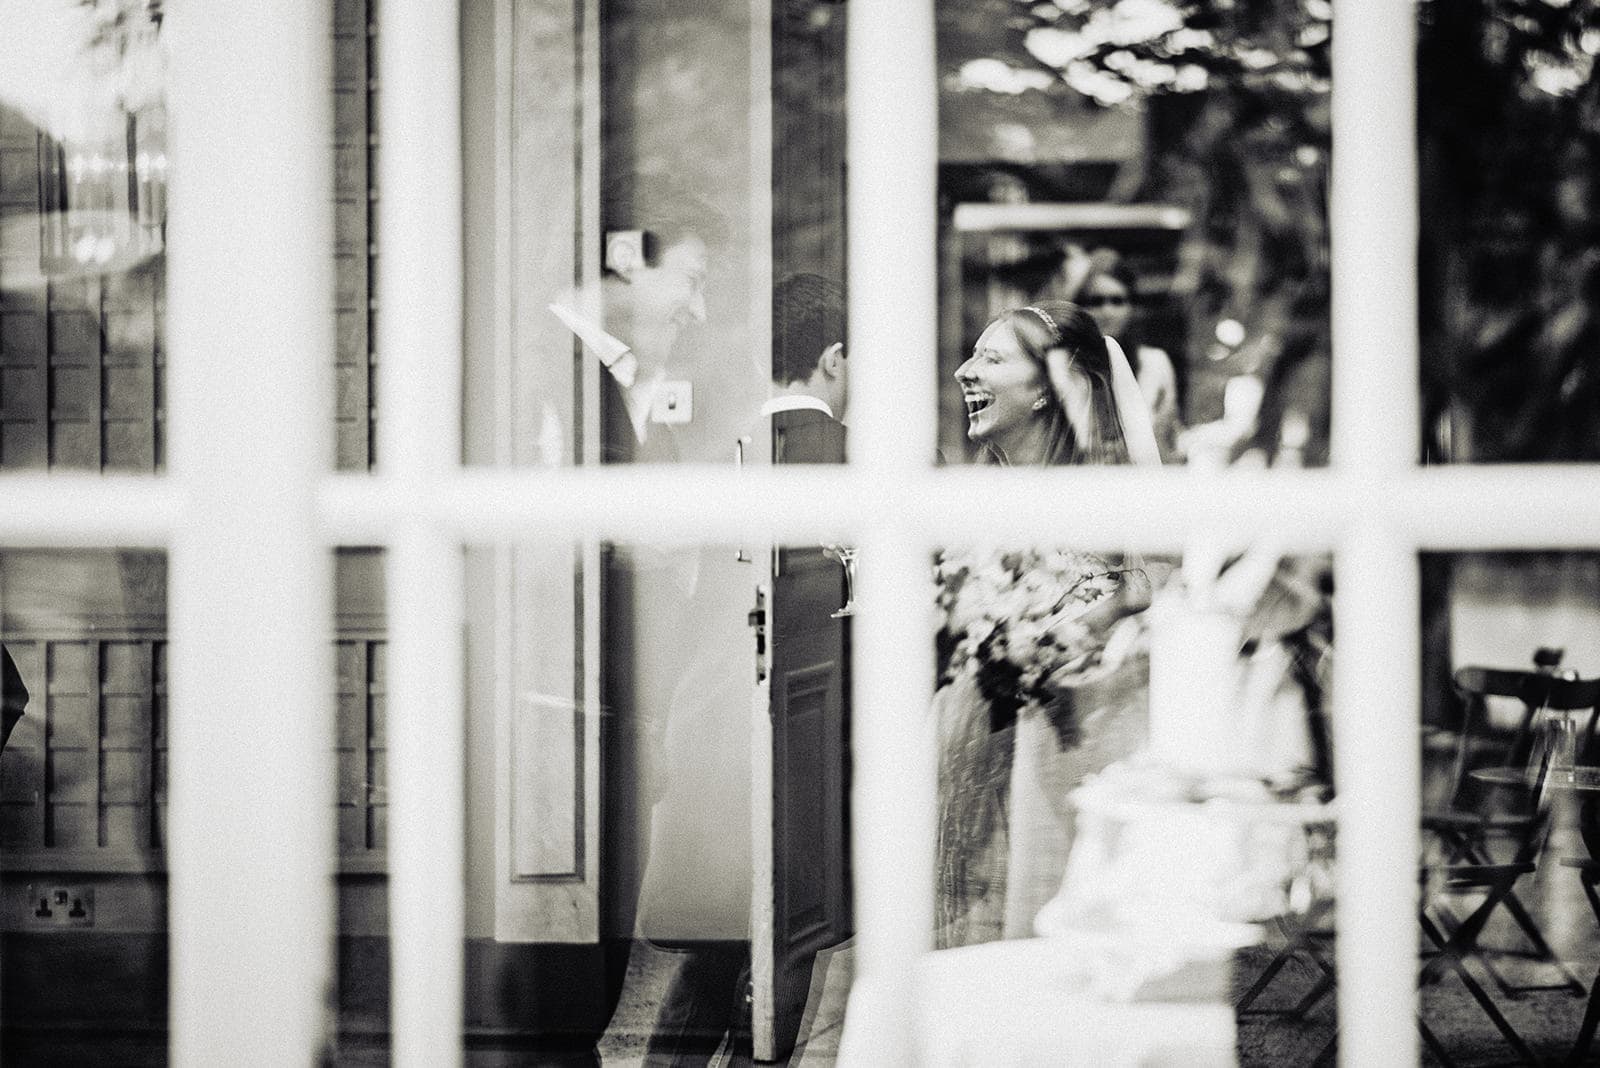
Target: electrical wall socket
{"x": 56, "y": 905}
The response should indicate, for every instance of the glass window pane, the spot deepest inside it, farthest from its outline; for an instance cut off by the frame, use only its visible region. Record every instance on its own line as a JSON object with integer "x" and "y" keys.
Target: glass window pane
{"x": 1506, "y": 137}
{"x": 83, "y": 801}
{"x": 1508, "y": 721}
{"x": 666, "y": 169}
{"x": 1164, "y": 166}
{"x": 83, "y": 204}
{"x": 1134, "y": 770}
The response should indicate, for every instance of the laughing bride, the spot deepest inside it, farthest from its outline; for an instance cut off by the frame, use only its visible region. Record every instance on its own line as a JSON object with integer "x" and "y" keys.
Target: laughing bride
{"x": 1031, "y": 697}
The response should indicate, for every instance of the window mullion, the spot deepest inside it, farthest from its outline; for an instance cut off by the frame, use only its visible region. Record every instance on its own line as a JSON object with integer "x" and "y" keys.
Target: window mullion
{"x": 892, "y": 144}
{"x": 251, "y": 821}
{"x": 1373, "y": 218}
{"x": 420, "y": 303}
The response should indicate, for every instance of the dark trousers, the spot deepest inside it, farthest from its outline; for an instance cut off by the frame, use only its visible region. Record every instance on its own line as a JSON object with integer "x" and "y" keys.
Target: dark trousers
{"x": 707, "y": 999}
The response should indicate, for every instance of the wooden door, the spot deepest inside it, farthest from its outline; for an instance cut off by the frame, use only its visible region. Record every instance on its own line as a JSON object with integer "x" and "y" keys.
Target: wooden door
{"x": 808, "y": 878}
{"x": 803, "y": 885}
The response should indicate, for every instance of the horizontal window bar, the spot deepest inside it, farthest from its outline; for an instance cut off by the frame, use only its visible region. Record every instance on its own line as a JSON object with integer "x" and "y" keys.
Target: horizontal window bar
{"x": 84, "y": 510}
{"x": 1146, "y": 509}
{"x": 1438, "y": 508}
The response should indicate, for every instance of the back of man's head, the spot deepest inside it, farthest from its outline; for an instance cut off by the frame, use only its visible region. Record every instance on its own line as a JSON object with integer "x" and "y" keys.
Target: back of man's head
{"x": 807, "y": 317}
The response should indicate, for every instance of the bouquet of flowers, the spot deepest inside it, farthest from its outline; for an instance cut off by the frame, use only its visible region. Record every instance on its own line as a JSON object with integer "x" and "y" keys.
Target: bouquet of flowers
{"x": 1019, "y": 626}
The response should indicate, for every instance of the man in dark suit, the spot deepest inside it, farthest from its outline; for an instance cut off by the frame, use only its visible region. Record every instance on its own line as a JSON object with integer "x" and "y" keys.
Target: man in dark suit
{"x": 707, "y": 1003}
{"x": 809, "y": 372}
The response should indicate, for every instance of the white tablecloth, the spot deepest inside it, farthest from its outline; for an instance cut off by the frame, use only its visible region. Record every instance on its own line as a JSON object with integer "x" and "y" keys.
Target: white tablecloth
{"x": 1021, "y": 1003}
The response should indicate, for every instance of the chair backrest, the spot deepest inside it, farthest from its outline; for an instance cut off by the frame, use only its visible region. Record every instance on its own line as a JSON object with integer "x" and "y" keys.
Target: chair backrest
{"x": 1537, "y": 691}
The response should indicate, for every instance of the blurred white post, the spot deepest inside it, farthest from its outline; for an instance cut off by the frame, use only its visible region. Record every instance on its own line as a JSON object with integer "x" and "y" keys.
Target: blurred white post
{"x": 893, "y": 142}
{"x": 419, "y": 444}
{"x": 250, "y": 326}
{"x": 1375, "y": 402}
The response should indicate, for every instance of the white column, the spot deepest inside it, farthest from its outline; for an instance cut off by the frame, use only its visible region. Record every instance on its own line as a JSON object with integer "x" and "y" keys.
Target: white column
{"x": 250, "y": 328}
{"x": 419, "y": 443}
{"x": 1375, "y": 402}
{"x": 893, "y": 139}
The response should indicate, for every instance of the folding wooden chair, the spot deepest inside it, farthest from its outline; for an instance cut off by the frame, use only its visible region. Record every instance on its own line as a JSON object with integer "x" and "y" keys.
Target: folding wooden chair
{"x": 1524, "y": 825}
{"x": 1482, "y": 818}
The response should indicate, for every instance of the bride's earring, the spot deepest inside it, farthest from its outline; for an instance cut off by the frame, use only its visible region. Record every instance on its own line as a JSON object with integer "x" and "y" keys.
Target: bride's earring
{"x": 1040, "y": 404}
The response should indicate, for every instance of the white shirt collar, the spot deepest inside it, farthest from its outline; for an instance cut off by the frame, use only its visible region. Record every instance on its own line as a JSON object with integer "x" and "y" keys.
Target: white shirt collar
{"x": 795, "y": 402}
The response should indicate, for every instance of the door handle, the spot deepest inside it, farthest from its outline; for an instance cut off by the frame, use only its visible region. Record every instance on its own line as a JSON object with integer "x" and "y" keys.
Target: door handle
{"x": 740, "y": 555}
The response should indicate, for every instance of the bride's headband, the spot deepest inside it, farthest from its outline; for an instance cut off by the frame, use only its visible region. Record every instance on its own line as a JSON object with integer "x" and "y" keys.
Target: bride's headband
{"x": 1049, "y": 321}
{"x": 1132, "y": 409}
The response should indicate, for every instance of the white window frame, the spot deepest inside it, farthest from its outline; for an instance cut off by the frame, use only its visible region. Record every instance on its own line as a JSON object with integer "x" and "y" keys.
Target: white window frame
{"x": 248, "y": 511}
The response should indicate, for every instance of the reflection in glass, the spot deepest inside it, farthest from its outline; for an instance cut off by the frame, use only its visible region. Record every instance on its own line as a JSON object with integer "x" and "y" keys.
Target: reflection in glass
{"x": 661, "y": 833}
{"x": 83, "y": 801}
{"x": 1509, "y": 712}
{"x": 1134, "y": 766}
{"x": 1163, "y": 165}
{"x": 643, "y": 273}
{"x": 84, "y": 173}
{"x": 1506, "y": 137}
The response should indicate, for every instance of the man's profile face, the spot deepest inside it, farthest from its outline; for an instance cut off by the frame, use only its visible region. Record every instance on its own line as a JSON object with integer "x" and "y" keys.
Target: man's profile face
{"x": 672, "y": 293}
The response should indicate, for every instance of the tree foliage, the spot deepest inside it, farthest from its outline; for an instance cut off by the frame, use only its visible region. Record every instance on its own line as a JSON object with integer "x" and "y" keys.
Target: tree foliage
{"x": 1509, "y": 127}
{"x": 1237, "y": 94}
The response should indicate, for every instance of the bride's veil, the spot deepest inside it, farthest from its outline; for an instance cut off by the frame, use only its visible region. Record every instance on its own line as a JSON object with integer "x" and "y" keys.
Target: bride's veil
{"x": 1138, "y": 432}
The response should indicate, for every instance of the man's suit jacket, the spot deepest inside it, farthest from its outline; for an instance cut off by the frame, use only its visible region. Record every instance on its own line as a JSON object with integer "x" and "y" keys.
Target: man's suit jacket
{"x": 807, "y": 436}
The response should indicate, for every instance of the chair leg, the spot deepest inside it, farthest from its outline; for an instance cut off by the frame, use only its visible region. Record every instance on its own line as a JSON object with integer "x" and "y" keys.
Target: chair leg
{"x": 1450, "y": 956}
{"x": 1591, "y": 1014}
{"x": 1328, "y": 1054}
{"x": 1298, "y": 939}
{"x": 1591, "y": 1019}
{"x": 1449, "y": 921}
{"x": 1530, "y": 930}
{"x": 1242, "y": 1007}
{"x": 1314, "y": 995}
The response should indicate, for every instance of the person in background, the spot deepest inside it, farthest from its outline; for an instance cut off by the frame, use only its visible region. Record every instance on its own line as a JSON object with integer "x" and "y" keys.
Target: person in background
{"x": 809, "y": 373}
{"x": 659, "y": 243}
{"x": 1101, "y": 284}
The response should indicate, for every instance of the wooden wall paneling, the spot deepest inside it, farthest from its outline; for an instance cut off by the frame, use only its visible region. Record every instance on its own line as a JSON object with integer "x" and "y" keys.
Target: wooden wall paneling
{"x": 73, "y": 373}
{"x": 24, "y": 371}
{"x": 131, "y": 401}
{"x": 71, "y": 759}
{"x": 352, "y": 234}
{"x": 377, "y": 748}
{"x": 546, "y": 831}
{"x": 125, "y": 685}
{"x": 158, "y": 744}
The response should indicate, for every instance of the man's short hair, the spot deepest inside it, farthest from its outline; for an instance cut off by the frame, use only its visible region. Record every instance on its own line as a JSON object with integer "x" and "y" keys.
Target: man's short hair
{"x": 664, "y": 210}
{"x": 807, "y": 317}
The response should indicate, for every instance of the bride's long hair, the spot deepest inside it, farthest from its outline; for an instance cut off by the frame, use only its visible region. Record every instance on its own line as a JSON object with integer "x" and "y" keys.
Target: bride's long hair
{"x": 1079, "y": 430}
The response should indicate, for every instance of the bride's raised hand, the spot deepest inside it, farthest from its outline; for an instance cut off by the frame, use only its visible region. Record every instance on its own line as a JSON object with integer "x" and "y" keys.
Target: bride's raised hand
{"x": 1073, "y": 392}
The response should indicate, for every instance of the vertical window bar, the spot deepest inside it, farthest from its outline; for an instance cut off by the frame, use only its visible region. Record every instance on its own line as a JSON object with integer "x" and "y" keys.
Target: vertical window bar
{"x": 420, "y": 345}
{"x": 1373, "y": 214}
{"x": 892, "y": 141}
{"x": 251, "y": 831}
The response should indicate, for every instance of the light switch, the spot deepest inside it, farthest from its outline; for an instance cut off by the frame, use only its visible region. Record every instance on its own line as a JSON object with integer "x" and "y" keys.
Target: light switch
{"x": 624, "y": 251}
{"x": 673, "y": 403}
